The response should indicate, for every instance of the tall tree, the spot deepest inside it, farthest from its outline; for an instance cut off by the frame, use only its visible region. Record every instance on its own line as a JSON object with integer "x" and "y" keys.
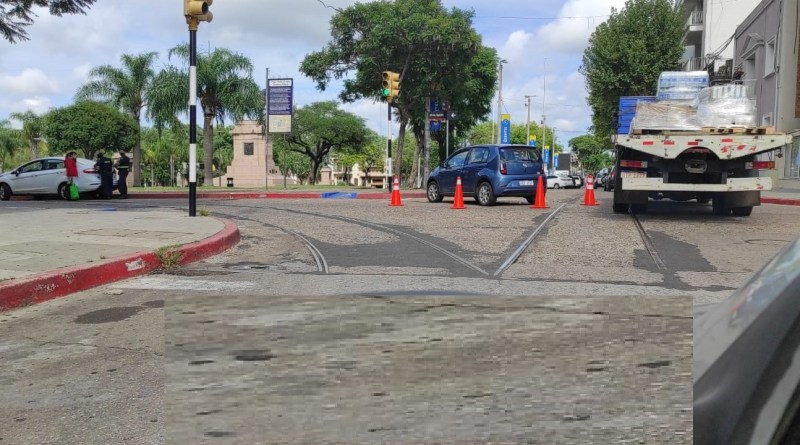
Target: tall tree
{"x": 127, "y": 88}
{"x": 15, "y": 15}
{"x": 9, "y": 142}
{"x": 32, "y": 129}
{"x": 432, "y": 49}
{"x": 593, "y": 152}
{"x": 321, "y": 127}
{"x": 225, "y": 87}
{"x": 627, "y": 53}
{"x": 90, "y": 127}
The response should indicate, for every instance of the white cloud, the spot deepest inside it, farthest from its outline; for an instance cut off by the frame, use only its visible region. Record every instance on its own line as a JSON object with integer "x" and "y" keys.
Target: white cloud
{"x": 577, "y": 20}
{"x": 31, "y": 81}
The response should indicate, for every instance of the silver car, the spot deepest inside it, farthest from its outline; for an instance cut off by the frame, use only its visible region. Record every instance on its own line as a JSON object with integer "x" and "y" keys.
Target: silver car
{"x": 47, "y": 176}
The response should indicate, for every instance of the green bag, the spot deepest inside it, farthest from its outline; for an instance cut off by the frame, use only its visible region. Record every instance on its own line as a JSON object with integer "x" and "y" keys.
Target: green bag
{"x": 74, "y": 194}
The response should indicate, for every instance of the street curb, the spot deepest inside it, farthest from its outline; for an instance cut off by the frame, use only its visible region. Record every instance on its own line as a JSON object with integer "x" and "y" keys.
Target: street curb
{"x": 254, "y": 195}
{"x": 781, "y": 201}
{"x": 71, "y": 279}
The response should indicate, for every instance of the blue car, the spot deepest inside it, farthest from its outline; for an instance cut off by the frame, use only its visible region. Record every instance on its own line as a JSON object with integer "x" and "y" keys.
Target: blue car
{"x": 488, "y": 172}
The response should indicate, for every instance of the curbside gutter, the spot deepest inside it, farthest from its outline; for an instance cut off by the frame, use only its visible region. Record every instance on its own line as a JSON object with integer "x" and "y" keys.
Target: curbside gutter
{"x": 67, "y": 280}
{"x": 781, "y": 201}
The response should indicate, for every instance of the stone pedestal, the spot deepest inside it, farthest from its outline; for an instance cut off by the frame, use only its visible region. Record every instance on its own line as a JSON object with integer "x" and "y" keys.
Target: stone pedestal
{"x": 252, "y": 164}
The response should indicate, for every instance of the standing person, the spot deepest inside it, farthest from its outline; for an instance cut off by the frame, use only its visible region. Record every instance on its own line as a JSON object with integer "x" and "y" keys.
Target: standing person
{"x": 123, "y": 166}
{"x": 105, "y": 168}
{"x": 71, "y": 165}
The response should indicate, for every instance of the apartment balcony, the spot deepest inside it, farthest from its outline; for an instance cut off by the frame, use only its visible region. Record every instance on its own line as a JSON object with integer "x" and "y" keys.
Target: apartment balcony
{"x": 694, "y": 64}
{"x": 695, "y": 22}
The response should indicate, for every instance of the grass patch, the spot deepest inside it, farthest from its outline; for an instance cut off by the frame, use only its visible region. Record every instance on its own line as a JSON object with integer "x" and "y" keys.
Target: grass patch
{"x": 169, "y": 257}
{"x": 204, "y": 211}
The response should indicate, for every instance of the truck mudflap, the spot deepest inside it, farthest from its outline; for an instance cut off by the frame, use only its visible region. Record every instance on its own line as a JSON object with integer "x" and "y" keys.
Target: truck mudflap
{"x": 732, "y": 185}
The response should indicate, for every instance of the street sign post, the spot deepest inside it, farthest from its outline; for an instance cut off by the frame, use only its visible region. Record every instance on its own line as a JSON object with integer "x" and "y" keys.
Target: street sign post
{"x": 505, "y": 129}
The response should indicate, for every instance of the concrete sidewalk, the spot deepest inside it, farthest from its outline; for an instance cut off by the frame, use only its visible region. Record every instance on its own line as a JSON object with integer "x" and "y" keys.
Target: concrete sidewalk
{"x": 55, "y": 252}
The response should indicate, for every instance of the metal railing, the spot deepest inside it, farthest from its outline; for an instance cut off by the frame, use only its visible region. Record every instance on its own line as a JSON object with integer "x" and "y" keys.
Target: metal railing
{"x": 695, "y": 18}
{"x": 694, "y": 64}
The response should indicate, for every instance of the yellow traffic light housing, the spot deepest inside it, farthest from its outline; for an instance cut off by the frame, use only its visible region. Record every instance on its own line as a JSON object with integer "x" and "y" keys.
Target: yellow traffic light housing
{"x": 197, "y": 11}
{"x": 391, "y": 85}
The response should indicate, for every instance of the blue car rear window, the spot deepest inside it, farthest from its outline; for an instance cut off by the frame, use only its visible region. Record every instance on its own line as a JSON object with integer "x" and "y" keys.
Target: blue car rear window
{"x": 519, "y": 154}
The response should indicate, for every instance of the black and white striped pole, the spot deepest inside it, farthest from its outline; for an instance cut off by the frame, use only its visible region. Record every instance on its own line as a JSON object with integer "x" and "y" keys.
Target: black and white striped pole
{"x": 195, "y": 11}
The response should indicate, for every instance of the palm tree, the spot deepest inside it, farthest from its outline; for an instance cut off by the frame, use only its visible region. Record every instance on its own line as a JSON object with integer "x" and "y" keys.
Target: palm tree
{"x": 225, "y": 87}
{"x": 32, "y": 129}
{"x": 129, "y": 89}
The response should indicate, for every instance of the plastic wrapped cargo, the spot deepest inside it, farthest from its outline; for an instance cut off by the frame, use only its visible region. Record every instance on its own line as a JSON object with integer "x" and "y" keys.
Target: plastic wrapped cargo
{"x": 665, "y": 115}
{"x": 681, "y": 85}
{"x": 725, "y": 105}
{"x": 627, "y": 110}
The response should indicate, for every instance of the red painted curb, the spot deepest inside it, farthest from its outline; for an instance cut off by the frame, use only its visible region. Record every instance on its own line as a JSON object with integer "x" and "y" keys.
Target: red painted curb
{"x": 270, "y": 195}
{"x": 67, "y": 280}
{"x": 781, "y": 201}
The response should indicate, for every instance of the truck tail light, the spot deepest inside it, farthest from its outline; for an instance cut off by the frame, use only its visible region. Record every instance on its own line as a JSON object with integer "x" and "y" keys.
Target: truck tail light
{"x": 632, "y": 164}
{"x": 760, "y": 165}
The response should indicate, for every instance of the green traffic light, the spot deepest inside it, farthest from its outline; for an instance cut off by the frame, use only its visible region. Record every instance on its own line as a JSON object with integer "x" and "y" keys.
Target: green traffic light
{"x": 385, "y": 91}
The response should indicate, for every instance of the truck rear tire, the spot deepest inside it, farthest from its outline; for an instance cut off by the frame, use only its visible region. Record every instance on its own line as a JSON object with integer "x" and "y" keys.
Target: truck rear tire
{"x": 621, "y": 208}
{"x": 639, "y": 208}
{"x": 718, "y": 207}
{"x": 742, "y": 211}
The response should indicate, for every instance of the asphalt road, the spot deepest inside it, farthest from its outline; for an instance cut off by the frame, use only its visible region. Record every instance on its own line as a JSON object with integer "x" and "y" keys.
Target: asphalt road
{"x": 344, "y": 321}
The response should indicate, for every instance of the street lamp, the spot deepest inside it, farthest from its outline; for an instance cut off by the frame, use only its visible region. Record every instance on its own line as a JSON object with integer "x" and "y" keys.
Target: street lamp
{"x": 500, "y": 103}
{"x": 544, "y": 116}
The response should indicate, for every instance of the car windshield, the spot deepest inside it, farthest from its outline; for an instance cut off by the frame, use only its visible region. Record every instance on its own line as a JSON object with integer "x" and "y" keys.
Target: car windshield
{"x": 716, "y": 330}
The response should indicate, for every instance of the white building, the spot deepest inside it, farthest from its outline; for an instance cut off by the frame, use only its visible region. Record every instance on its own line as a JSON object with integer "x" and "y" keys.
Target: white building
{"x": 709, "y": 30}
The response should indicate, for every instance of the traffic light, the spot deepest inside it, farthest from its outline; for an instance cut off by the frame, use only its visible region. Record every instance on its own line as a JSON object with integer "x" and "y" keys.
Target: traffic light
{"x": 391, "y": 85}
{"x": 197, "y": 10}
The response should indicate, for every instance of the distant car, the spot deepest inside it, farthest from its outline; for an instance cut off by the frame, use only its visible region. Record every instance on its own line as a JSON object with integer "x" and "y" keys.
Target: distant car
{"x": 608, "y": 181}
{"x": 488, "y": 172}
{"x": 578, "y": 181}
{"x": 47, "y": 176}
{"x": 558, "y": 182}
{"x": 600, "y": 178}
{"x": 747, "y": 360}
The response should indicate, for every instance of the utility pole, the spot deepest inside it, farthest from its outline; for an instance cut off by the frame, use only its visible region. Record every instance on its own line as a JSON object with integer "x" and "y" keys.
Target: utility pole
{"x": 544, "y": 115}
{"x": 528, "y": 121}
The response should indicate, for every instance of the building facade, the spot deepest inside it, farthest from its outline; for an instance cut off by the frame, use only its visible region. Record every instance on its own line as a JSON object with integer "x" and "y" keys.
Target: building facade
{"x": 709, "y": 29}
{"x": 766, "y": 44}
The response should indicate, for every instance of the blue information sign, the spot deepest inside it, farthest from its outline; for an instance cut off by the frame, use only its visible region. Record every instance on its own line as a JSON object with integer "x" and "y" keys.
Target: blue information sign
{"x": 532, "y": 143}
{"x": 279, "y": 108}
{"x": 555, "y": 162}
{"x": 436, "y": 125}
{"x": 505, "y": 129}
{"x": 546, "y": 156}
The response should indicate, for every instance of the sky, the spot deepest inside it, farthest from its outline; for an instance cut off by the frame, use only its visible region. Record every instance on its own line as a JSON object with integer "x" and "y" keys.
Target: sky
{"x": 542, "y": 42}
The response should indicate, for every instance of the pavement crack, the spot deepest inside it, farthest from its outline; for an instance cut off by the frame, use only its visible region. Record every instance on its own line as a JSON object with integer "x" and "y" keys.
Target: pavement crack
{"x": 58, "y": 343}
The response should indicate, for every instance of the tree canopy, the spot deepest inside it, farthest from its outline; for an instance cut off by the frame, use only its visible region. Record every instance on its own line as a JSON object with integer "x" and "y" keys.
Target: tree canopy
{"x": 434, "y": 51}
{"x": 592, "y": 151}
{"x": 627, "y": 53}
{"x": 16, "y": 15}
{"x": 90, "y": 127}
{"x": 321, "y": 127}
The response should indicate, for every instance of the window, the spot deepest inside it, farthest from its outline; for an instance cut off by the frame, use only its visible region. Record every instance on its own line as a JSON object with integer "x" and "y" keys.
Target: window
{"x": 457, "y": 160}
{"x": 32, "y": 167}
{"x": 248, "y": 149}
{"x": 54, "y": 165}
{"x": 479, "y": 155}
{"x": 769, "y": 58}
{"x": 749, "y": 78}
{"x": 793, "y": 159}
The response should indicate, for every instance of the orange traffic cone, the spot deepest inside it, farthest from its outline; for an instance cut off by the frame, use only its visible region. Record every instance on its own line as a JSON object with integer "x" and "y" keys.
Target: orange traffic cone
{"x": 539, "y": 202}
{"x": 458, "y": 199}
{"x": 588, "y": 196}
{"x": 396, "y": 193}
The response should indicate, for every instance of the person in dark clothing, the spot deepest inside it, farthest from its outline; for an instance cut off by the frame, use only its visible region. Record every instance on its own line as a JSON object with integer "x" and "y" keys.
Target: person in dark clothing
{"x": 123, "y": 166}
{"x": 105, "y": 168}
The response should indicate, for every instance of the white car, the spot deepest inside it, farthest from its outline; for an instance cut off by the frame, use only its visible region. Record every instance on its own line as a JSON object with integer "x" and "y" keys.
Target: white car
{"x": 559, "y": 182}
{"x": 47, "y": 176}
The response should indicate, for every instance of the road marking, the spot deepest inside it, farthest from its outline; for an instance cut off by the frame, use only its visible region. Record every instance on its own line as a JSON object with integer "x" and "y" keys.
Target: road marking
{"x": 514, "y": 256}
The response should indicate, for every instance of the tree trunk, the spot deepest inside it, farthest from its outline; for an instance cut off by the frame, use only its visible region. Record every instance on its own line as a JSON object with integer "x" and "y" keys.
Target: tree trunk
{"x": 314, "y": 171}
{"x": 208, "y": 146}
{"x": 412, "y": 181}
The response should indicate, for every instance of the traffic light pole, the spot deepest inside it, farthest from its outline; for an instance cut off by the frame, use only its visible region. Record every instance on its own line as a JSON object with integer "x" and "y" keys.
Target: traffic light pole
{"x": 193, "y": 119}
{"x": 388, "y": 165}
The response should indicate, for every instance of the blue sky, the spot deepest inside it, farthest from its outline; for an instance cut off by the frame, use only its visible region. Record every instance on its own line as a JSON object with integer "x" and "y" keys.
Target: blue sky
{"x": 542, "y": 40}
